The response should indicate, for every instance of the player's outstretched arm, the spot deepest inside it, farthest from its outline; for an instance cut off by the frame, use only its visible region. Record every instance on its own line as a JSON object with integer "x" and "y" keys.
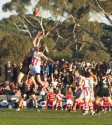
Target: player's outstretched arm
{"x": 35, "y": 39}
{"x": 49, "y": 59}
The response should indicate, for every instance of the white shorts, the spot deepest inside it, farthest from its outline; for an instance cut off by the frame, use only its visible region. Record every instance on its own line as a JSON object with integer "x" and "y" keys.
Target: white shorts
{"x": 34, "y": 70}
{"x": 69, "y": 101}
{"x": 88, "y": 94}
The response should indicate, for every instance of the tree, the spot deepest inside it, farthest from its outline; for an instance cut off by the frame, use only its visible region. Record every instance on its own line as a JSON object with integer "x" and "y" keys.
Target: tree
{"x": 14, "y": 47}
{"x": 68, "y": 28}
{"x": 105, "y": 7}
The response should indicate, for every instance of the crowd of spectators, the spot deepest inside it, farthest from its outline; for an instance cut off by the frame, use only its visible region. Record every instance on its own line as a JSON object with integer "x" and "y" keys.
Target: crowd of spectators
{"x": 58, "y": 76}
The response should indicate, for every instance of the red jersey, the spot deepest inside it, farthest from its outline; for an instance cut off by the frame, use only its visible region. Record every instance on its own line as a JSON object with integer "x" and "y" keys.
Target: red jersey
{"x": 105, "y": 101}
{"x": 68, "y": 96}
{"x": 26, "y": 57}
{"x": 30, "y": 85}
{"x": 51, "y": 95}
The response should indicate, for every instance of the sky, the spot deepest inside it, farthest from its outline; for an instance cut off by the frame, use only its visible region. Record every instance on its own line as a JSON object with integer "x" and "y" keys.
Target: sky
{"x": 7, "y": 14}
{"x": 3, "y": 14}
{"x": 100, "y": 17}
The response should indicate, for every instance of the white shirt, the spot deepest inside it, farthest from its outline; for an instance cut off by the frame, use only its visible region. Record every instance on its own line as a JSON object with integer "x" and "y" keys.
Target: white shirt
{"x": 36, "y": 58}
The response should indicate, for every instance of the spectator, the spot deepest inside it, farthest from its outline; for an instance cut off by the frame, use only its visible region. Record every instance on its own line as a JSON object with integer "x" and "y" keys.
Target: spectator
{"x": 15, "y": 73}
{"x": 8, "y": 71}
{"x": 67, "y": 78}
{"x": 19, "y": 67}
{"x": 56, "y": 73}
{"x": 98, "y": 68}
{"x": 54, "y": 82}
{"x": 64, "y": 90}
{"x": 104, "y": 66}
{"x": 45, "y": 68}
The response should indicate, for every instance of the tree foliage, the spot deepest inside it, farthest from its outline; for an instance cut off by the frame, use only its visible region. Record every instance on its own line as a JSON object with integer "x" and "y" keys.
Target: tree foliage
{"x": 14, "y": 47}
{"x": 68, "y": 32}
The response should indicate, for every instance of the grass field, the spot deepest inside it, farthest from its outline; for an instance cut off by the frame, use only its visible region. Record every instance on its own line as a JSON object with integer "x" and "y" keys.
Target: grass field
{"x": 49, "y": 117}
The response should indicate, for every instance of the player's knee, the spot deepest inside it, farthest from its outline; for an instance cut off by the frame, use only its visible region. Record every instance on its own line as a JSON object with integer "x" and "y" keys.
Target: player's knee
{"x": 97, "y": 102}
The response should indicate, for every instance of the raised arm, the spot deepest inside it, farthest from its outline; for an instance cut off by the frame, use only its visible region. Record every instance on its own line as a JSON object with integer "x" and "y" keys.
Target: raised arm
{"x": 35, "y": 39}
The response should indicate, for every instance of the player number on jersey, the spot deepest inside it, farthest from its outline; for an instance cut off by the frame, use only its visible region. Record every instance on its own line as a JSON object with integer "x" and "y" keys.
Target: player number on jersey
{"x": 34, "y": 61}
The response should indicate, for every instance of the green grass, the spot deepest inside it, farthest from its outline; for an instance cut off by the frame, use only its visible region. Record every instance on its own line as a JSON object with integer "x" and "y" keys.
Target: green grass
{"x": 49, "y": 117}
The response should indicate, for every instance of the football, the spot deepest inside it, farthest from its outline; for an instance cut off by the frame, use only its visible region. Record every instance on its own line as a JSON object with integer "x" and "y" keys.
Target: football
{"x": 35, "y": 12}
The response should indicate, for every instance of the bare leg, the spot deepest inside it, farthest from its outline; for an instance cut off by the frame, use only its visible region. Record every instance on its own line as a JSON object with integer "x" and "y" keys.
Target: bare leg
{"x": 21, "y": 102}
{"x": 61, "y": 106}
{"x": 39, "y": 79}
{"x": 57, "y": 105}
{"x": 98, "y": 102}
{"x": 35, "y": 101}
{"x": 110, "y": 101}
{"x": 20, "y": 77}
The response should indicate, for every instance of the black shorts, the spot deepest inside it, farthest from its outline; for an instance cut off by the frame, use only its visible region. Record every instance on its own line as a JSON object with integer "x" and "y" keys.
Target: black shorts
{"x": 103, "y": 92}
{"x": 30, "y": 93}
{"x": 25, "y": 90}
{"x": 25, "y": 69}
{"x": 27, "y": 94}
{"x": 96, "y": 90}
